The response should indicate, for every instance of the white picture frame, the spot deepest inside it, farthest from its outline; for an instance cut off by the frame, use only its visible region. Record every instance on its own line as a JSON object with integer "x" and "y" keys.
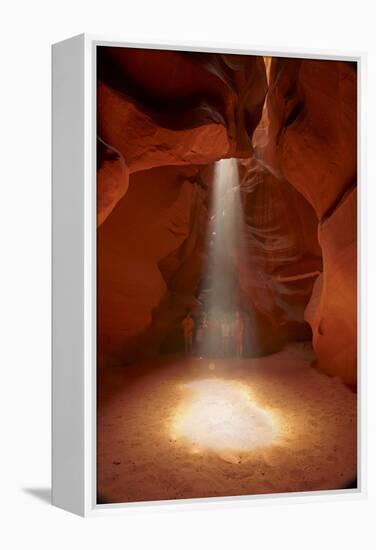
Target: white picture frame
{"x": 74, "y": 278}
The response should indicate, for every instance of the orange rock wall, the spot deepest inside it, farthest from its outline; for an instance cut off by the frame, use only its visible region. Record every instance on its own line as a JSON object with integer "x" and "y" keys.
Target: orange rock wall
{"x": 280, "y": 257}
{"x": 312, "y": 144}
{"x": 164, "y": 118}
{"x": 332, "y": 310}
{"x": 150, "y": 255}
{"x": 161, "y": 114}
{"x": 158, "y": 108}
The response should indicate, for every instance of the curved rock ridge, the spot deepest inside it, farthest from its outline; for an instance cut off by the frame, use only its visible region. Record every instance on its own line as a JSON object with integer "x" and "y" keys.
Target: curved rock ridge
{"x": 279, "y": 256}
{"x": 112, "y": 179}
{"x": 164, "y": 118}
{"x": 312, "y": 144}
{"x": 147, "y": 143}
{"x": 160, "y": 108}
{"x": 312, "y": 108}
{"x": 333, "y": 306}
{"x": 150, "y": 254}
{"x": 171, "y": 85}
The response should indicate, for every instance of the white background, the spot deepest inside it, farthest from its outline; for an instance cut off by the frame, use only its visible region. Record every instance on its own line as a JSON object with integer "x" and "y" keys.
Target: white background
{"x": 27, "y": 30}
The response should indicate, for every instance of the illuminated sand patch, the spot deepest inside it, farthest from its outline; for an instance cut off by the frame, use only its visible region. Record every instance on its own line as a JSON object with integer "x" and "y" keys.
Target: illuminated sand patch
{"x": 141, "y": 457}
{"x": 219, "y": 415}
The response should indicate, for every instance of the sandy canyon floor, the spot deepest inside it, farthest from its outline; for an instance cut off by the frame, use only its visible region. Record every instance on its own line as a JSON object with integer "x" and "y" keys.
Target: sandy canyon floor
{"x": 181, "y": 428}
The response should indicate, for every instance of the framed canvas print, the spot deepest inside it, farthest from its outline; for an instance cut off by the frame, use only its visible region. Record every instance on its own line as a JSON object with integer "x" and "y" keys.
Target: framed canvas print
{"x": 206, "y": 271}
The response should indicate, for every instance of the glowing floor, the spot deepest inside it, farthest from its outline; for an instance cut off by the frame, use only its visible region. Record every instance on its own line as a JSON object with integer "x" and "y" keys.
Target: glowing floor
{"x": 181, "y": 428}
{"x": 219, "y": 415}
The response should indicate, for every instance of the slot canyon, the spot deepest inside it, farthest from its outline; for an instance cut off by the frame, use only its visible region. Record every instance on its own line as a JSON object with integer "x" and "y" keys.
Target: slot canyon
{"x": 226, "y": 195}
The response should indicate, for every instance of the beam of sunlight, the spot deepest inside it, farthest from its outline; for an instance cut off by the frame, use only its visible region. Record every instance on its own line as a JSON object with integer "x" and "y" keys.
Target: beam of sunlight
{"x": 220, "y": 415}
{"x": 226, "y": 238}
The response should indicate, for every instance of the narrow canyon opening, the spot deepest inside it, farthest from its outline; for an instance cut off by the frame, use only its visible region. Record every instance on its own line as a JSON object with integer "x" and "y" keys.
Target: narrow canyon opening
{"x": 226, "y": 275}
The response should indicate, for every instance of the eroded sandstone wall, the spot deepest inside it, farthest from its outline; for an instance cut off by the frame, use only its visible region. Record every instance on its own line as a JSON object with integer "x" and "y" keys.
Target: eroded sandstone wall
{"x": 279, "y": 257}
{"x": 150, "y": 253}
{"x": 158, "y": 108}
{"x": 312, "y": 144}
{"x": 164, "y": 117}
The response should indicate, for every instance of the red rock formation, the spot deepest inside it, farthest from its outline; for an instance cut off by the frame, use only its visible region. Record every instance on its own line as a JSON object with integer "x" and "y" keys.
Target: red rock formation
{"x": 158, "y": 108}
{"x": 312, "y": 137}
{"x": 146, "y": 143}
{"x": 149, "y": 262}
{"x": 332, "y": 309}
{"x": 312, "y": 107}
{"x": 112, "y": 180}
{"x": 161, "y": 108}
{"x": 164, "y": 118}
{"x": 280, "y": 257}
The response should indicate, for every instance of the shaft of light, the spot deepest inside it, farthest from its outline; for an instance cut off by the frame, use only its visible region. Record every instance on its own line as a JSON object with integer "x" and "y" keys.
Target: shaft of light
{"x": 225, "y": 238}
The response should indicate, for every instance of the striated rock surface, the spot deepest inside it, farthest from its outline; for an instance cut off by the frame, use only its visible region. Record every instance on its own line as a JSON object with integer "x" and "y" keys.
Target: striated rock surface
{"x": 279, "y": 257}
{"x": 332, "y": 308}
{"x": 146, "y": 143}
{"x": 312, "y": 108}
{"x": 311, "y": 114}
{"x": 150, "y": 253}
{"x": 112, "y": 180}
{"x": 160, "y": 108}
{"x": 164, "y": 118}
